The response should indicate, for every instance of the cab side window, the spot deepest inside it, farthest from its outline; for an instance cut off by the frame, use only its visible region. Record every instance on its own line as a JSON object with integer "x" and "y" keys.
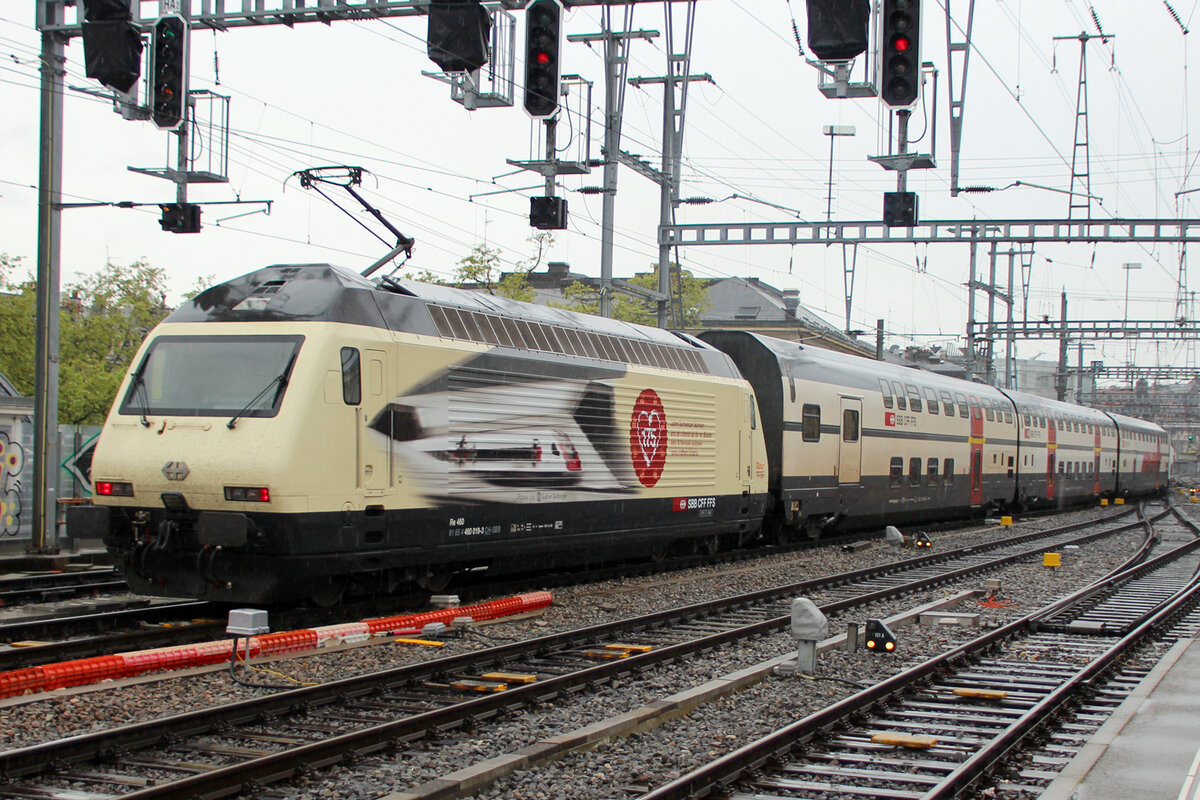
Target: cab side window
{"x": 351, "y": 377}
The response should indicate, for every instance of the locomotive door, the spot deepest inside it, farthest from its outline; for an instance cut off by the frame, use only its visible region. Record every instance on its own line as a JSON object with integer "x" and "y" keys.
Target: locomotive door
{"x": 850, "y": 453}
{"x": 374, "y": 451}
{"x": 975, "y": 476}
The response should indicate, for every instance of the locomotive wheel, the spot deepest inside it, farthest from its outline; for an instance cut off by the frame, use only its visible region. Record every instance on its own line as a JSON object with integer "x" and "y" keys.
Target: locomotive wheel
{"x": 435, "y": 579}
{"x": 329, "y": 593}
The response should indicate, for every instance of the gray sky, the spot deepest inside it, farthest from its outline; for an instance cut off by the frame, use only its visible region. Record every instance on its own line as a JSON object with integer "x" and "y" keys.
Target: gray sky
{"x": 353, "y": 93}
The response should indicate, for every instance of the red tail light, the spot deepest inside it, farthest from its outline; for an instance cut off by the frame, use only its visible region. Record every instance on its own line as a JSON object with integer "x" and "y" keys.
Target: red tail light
{"x": 113, "y": 489}
{"x": 248, "y": 494}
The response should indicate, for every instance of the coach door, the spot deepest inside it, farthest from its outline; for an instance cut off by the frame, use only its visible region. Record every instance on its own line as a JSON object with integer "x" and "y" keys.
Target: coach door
{"x": 1051, "y": 457}
{"x": 850, "y": 456}
{"x": 975, "y": 477}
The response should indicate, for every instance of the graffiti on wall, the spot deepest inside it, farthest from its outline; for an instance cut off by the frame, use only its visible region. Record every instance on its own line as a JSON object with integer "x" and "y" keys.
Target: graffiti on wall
{"x": 12, "y": 468}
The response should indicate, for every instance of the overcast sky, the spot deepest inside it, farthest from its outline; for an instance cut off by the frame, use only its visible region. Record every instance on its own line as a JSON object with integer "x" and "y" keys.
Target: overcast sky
{"x": 353, "y": 93}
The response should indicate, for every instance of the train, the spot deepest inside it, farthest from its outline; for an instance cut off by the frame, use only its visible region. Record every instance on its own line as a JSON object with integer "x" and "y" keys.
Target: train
{"x": 301, "y": 432}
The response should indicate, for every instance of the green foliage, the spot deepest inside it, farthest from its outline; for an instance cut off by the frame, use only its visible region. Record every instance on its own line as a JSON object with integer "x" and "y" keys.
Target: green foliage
{"x": 584, "y": 298}
{"x": 480, "y": 267}
{"x": 201, "y": 284}
{"x": 515, "y": 286}
{"x": 104, "y": 317}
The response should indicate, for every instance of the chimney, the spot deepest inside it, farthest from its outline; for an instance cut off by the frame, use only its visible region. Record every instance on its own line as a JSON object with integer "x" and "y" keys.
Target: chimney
{"x": 791, "y": 299}
{"x": 558, "y": 270}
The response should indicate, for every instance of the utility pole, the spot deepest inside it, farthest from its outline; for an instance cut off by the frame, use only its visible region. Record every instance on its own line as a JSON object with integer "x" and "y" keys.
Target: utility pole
{"x": 616, "y": 64}
{"x": 45, "y": 409}
{"x": 1060, "y": 378}
{"x": 1083, "y": 176}
{"x": 675, "y": 91}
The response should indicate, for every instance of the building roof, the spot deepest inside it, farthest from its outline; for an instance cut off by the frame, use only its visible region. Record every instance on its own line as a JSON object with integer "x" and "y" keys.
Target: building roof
{"x": 6, "y": 387}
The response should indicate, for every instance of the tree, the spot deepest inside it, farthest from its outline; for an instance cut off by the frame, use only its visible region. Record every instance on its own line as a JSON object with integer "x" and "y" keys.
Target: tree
{"x": 694, "y": 292}
{"x": 479, "y": 268}
{"x": 104, "y": 317}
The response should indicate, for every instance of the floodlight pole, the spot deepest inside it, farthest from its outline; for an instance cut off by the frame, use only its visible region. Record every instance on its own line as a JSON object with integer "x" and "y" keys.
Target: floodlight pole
{"x": 44, "y": 536}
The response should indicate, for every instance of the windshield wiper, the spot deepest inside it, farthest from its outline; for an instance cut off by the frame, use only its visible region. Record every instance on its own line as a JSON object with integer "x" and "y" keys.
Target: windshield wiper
{"x": 139, "y": 387}
{"x": 279, "y": 380}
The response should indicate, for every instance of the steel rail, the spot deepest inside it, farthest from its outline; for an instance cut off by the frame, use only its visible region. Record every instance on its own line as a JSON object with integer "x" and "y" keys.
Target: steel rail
{"x": 224, "y": 781}
{"x": 721, "y": 773}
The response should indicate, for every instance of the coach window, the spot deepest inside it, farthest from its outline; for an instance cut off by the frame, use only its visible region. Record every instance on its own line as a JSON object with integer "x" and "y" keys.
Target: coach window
{"x": 811, "y": 422}
{"x": 962, "y": 404}
{"x": 896, "y": 471}
{"x": 901, "y": 403}
{"x": 948, "y": 470}
{"x": 931, "y": 469}
{"x": 947, "y": 403}
{"x": 351, "y": 377}
{"x": 914, "y": 471}
{"x": 914, "y": 397}
{"x": 849, "y": 425}
{"x": 975, "y": 410}
{"x": 988, "y": 412}
{"x": 931, "y": 400}
{"x": 885, "y": 389}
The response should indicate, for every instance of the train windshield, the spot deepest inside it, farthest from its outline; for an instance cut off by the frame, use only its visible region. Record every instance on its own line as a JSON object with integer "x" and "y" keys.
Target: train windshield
{"x": 201, "y": 376}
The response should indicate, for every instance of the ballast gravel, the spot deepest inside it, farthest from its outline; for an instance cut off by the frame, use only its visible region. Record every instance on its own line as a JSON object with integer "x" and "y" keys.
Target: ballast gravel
{"x": 628, "y": 766}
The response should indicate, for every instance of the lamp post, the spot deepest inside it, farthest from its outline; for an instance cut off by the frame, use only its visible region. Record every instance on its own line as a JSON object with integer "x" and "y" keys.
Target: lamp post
{"x": 1129, "y": 352}
{"x": 833, "y": 131}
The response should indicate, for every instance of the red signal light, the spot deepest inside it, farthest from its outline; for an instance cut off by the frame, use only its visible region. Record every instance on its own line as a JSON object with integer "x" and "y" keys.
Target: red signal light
{"x": 543, "y": 57}
{"x": 901, "y": 44}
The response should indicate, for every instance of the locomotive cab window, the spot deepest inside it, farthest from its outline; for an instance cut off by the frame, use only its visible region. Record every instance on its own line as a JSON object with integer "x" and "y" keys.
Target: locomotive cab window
{"x": 201, "y": 376}
{"x": 811, "y": 422}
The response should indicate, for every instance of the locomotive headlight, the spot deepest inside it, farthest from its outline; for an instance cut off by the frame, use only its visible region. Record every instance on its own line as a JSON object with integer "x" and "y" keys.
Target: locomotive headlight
{"x": 248, "y": 494}
{"x": 114, "y": 489}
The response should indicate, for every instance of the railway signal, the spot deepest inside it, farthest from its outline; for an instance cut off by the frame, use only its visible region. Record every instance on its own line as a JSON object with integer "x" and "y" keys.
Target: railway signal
{"x": 548, "y": 213}
{"x": 900, "y": 209}
{"x": 543, "y": 43}
{"x": 880, "y": 638}
{"x": 169, "y": 71}
{"x": 837, "y": 29}
{"x": 180, "y": 217}
{"x": 457, "y": 37}
{"x": 112, "y": 44}
{"x": 900, "y": 52}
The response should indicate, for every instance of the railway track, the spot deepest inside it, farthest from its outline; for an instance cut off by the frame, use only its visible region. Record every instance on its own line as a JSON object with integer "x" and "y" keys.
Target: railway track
{"x": 218, "y": 752}
{"x": 141, "y": 623}
{"x": 19, "y": 589}
{"x": 941, "y": 728}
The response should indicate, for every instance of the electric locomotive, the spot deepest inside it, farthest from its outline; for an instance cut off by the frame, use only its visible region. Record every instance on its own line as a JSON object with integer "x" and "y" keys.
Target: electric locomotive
{"x": 301, "y": 430}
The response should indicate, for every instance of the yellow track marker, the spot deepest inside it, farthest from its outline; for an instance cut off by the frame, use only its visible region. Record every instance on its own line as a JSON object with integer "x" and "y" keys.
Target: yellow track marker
{"x": 508, "y": 677}
{"x": 479, "y": 686}
{"x": 904, "y": 740}
{"x": 426, "y": 642}
{"x": 982, "y": 694}
{"x": 630, "y": 648}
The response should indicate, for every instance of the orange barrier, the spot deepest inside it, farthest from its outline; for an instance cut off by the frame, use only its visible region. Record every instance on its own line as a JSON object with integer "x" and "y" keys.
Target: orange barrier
{"x": 32, "y": 680}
